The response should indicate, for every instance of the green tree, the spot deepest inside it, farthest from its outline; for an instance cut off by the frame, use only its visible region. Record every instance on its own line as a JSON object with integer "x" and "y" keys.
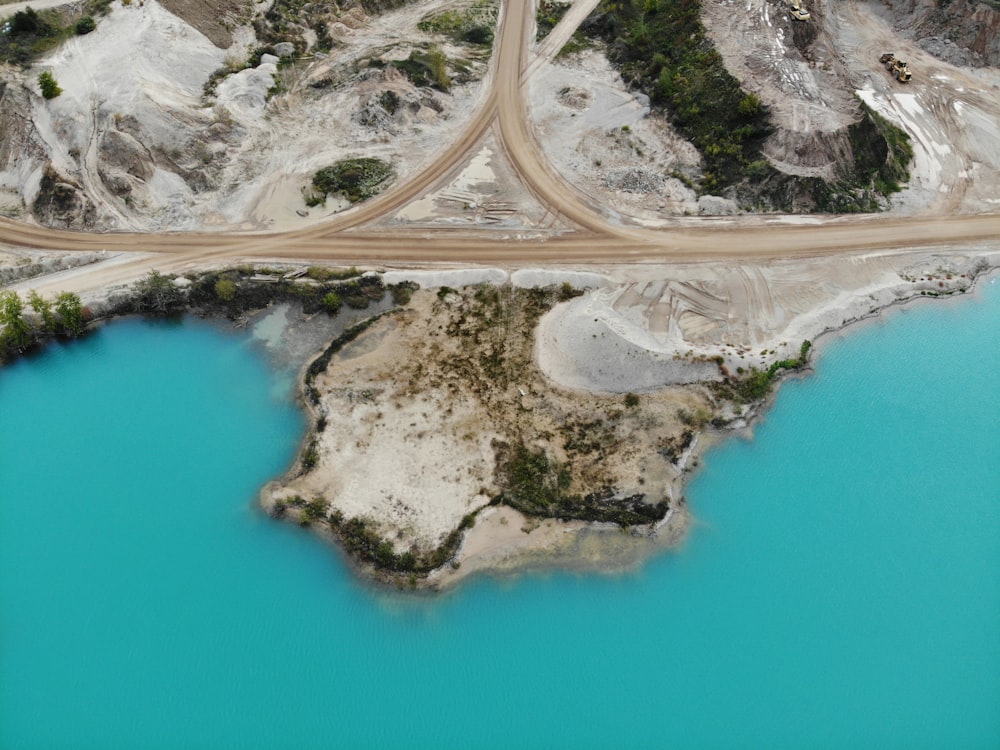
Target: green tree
{"x": 16, "y": 334}
{"x": 47, "y": 83}
{"x": 70, "y": 312}
{"x": 44, "y": 308}
{"x": 157, "y": 293}
{"x": 26, "y": 22}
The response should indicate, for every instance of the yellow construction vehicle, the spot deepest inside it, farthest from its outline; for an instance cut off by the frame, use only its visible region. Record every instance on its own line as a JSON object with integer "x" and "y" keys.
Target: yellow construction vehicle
{"x": 897, "y": 68}
{"x": 798, "y": 12}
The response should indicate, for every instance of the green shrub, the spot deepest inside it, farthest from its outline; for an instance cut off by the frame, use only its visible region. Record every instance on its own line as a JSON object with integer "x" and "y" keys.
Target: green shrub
{"x": 225, "y": 289}
{"x": 473, "y": 24}
{"x": 85, "y": 25}
{"x": 426, "y": 68}
{"x": 310, "y": 457}
{"x": 156, "y": 293}
{"x": 47, "y": 83}
{"x": 331, "y": 303}
{"x": 322, "y": 273}
{"x": 547, "y": 15}
{"x": 27, "y": 22}
{"x": 402, "y": 292}
{"x": 390, "y": 101}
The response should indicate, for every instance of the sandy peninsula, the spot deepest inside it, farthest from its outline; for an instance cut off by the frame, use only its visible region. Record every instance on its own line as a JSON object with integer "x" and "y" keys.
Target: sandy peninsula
{"x": 617, "y": 378}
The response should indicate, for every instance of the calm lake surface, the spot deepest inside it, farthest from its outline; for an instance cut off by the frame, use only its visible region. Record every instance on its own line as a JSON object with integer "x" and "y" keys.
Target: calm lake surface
{"x": 841, "y": 588}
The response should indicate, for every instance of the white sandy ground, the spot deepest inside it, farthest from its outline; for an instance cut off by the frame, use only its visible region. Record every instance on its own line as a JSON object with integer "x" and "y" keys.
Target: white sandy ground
{"x": 414, "y": 466}
{"x": 645, "y": 327}
{"x": 597, "y": 133}
{"x": 659, "y": 329}
{"x": 143, "y": 69}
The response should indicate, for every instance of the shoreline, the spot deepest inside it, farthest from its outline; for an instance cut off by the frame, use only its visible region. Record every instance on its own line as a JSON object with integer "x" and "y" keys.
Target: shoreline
{"x": 504, "y": 542}
{"x": 489, "y": 548}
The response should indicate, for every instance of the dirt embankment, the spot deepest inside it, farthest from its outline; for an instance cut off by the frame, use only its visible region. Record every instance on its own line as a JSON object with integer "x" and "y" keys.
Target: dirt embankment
{"x": 793, "y": 67}
{"x": 213, "y": 18}
{"x": 960, "y": 32}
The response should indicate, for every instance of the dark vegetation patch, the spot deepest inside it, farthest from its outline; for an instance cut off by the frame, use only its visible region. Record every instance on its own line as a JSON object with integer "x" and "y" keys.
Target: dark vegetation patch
{"x": 289, "y": 20}
{"x": 755, "y": 385}
{"x": 360, "y": 537}
{"x": 661, "y": 48}
{"x": 537, "y": 485}
{"x": 356, "y": 179}
{"x": 426, "y": 67}
{"x": 882, "y": 156}
{"x": 673, "y": 447}
{"x": 30, "y": 33}
{"x": 547, "y": 16}
{"x": 236, "y": 292}
{"x": 20, "y": 332}
{"x": 471, "y": 25}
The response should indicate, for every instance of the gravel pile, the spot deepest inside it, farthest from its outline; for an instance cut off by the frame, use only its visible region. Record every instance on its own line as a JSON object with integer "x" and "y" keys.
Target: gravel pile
{"x": 635, "y": 180}
{"x": 947, "y": 50}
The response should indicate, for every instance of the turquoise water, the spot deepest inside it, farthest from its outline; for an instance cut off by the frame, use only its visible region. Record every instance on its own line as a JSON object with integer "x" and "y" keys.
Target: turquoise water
{"x": 841, "y": 588}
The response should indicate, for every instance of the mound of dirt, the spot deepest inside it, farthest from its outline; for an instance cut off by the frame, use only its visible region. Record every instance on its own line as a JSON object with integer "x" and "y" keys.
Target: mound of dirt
{"x": 213, "y": 18}
{"x": 792, "y": 67}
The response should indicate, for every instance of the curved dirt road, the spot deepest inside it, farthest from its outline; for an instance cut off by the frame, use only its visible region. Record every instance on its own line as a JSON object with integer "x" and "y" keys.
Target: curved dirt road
{"x": 504, "y": 111}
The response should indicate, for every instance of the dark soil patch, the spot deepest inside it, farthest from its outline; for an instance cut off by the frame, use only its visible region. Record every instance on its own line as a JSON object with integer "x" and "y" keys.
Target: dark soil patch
{"x": 210, "y": 17}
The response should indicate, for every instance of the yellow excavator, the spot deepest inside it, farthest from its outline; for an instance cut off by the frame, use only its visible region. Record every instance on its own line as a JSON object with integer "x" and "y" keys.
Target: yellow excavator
{"x": 897, "y": 68}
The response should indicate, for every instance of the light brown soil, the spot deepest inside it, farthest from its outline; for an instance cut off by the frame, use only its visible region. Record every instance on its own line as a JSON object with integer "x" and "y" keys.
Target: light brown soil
{"x": 421, "y": 392}
{"x": 213, "y": 18}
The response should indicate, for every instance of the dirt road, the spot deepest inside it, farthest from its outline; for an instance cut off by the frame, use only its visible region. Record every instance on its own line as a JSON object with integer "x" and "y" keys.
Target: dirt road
{"x": 349, "y": 238}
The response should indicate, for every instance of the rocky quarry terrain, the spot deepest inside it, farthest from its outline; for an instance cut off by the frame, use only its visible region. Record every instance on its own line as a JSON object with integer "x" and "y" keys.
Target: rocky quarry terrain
{"x": 215, "y": 115}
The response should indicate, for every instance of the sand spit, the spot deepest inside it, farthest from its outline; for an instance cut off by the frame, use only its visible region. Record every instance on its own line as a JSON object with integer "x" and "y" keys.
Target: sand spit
{"x": 658, "y": 327}
{"x": 420, "y": 408}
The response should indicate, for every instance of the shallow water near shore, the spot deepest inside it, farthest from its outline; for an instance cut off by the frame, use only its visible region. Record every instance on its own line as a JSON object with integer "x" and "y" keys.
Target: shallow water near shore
{"x": 840, "y": 588}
